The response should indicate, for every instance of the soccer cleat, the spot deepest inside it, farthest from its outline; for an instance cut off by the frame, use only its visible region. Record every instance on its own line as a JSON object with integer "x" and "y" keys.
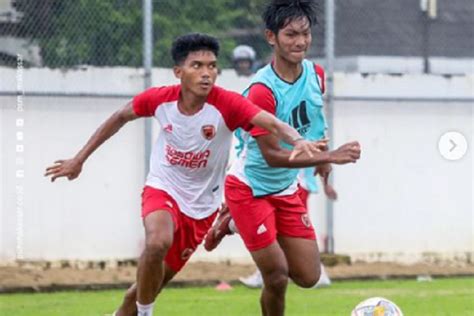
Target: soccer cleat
{"x": 253, "y": 281}
{"x": 218, "y": 230}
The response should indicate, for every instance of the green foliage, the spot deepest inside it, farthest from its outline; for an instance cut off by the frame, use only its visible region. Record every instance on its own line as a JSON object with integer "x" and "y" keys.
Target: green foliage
{"x": 109, "y": 32}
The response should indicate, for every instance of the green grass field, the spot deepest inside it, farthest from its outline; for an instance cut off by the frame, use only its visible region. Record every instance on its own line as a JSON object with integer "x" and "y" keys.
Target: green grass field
{"x": 439, "y": 297}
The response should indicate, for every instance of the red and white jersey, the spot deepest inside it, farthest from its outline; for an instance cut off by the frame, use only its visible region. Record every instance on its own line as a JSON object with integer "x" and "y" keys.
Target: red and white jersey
{"x": 190, "y": 156}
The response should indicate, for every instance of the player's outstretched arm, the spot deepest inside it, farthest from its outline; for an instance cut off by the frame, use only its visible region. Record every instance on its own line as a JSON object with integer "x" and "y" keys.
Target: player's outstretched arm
{"x": 288, "y": 134}
{"x": 71, "y": 168}
{"x": 279, "y": 157}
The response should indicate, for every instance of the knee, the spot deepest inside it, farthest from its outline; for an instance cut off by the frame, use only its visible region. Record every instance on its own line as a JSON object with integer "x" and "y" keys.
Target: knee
{"x": 308, "y": 280}
{"x": 157, "y": 246}
{"x": 276, "y": 280}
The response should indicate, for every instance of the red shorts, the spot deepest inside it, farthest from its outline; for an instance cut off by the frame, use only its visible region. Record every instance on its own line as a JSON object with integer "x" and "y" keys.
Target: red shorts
{"x": 304, "y": 194}
{"x": 259, "y": 220}
{"x": 188, "y": 232}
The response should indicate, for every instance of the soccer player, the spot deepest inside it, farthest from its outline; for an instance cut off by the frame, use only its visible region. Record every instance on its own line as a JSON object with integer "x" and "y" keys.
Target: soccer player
{"x": 184, "y": 186}
{"x": 261, "y": 188}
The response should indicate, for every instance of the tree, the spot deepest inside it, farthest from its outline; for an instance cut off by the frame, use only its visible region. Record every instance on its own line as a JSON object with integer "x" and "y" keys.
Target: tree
{"x": 109, "y": 32}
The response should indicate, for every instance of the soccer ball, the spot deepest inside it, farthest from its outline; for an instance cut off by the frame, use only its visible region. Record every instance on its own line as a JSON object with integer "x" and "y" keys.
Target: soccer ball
{"x": 377, "y": 306}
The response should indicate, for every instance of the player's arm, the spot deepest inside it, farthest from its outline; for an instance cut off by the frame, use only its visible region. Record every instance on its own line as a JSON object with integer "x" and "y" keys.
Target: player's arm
{"x": 265, "y": 122}
{"x": 71, "y": 168}
{"x": 278, "y": 157}
{"x": 288, "y": 134}
{"x": 324, "y": 170}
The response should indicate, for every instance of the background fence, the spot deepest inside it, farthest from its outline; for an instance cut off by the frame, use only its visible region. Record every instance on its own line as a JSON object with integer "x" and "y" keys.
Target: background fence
{"x": 69, "y": 34}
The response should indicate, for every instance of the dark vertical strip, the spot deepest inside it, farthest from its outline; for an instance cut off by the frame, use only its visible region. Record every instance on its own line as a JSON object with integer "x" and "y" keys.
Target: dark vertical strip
{"x": 303, "y": 114}
{"x": 294, "y": 118}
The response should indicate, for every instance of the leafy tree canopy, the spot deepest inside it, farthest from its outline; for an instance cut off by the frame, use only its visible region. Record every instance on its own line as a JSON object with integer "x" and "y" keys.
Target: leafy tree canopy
{"x": 109, "y": 32}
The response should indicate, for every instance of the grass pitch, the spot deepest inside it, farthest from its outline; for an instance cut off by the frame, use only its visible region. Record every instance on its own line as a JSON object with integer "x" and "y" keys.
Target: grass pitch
{"x": 440, "y": 297}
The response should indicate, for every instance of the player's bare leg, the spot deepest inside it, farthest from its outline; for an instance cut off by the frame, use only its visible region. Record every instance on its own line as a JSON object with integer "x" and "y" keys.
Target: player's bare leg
{"x": 159, "y": 230}
{"x": 303, "y": 260}
{"x": 272, "y": 263}
{"x": 129, "y": 306}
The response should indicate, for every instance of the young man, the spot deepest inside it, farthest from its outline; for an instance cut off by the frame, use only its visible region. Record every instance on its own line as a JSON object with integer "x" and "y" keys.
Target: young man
{"x": 261, "y": 189}
{"x": 184, "y": 186}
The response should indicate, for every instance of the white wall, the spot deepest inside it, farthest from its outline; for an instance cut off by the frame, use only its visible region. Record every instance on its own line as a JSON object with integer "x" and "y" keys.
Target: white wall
{"x": 96, "y": 216}
{"x": 403, "y": 198}
{"x": 2, "y": 177}
{"x": 401, "y": 201}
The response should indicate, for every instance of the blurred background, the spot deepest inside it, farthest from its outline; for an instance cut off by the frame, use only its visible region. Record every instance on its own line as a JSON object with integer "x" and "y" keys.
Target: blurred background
{"x": 400, "y": 75}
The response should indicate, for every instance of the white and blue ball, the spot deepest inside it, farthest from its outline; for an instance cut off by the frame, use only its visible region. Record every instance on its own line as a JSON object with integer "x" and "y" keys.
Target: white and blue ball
{"x": 377, "y": 306}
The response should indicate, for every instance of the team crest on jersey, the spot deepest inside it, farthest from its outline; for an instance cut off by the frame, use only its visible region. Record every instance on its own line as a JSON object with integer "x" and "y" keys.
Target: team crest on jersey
{"x": 168, "y": 128}
{"x": 187, "y": 253}
{"x": 208, "y": 131}
{"x": 306, "y": 221}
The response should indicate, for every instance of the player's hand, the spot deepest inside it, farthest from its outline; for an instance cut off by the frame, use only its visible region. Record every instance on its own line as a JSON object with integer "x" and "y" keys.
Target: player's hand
{"x": 322, "y": 144}
{"x": 347, "y": 153}
{"x": 224, "y": 208}
{"x": 70, "y": 169}
{"x": 324, "y": 171}
{"x": 330, "y": 191}
{"x": 307, "y": 147}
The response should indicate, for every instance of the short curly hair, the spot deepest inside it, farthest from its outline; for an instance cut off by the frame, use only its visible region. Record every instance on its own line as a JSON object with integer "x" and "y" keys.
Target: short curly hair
{"x": 193, "y": 42}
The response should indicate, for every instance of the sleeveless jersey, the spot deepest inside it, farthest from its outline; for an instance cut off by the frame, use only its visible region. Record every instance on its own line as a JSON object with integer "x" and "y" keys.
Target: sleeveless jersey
{"x": 300, "y": 104}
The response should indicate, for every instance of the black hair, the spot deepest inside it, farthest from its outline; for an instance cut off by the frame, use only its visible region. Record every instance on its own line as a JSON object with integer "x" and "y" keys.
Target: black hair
{"x": 193, "y": 42}
{"x": 279, "y": 13}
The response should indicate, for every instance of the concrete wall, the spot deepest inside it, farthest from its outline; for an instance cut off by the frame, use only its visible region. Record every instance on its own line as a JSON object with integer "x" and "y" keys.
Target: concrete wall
{"x": 96, "y": 216}
{"x": 401, "y": 202}
{"x": 404, "y": 200}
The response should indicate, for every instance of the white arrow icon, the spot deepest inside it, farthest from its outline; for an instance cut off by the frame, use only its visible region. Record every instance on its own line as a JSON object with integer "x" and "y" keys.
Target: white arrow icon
{"x": 452, "y": 145}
